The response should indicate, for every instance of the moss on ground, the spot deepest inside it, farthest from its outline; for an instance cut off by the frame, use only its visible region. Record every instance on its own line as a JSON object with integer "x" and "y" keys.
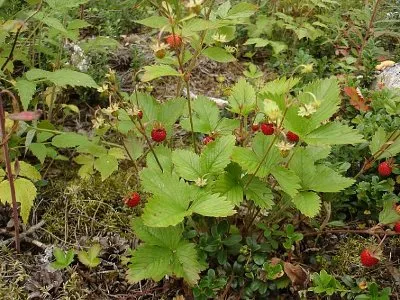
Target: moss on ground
{"x": 74, "y": 208}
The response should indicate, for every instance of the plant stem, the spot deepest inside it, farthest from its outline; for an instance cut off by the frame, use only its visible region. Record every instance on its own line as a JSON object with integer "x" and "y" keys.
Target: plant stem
{"x": 143, "y": 132}
{"x": 9, "y": 170}
{"x": 369, "y": 30}
{"x": 190, "y": 115}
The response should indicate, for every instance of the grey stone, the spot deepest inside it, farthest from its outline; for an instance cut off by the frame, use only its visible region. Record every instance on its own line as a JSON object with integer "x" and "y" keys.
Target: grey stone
{"x": 390, "y": 77}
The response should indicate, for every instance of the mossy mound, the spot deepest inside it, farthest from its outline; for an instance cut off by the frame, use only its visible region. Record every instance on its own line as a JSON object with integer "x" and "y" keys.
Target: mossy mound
{"x": 75, "y": 208}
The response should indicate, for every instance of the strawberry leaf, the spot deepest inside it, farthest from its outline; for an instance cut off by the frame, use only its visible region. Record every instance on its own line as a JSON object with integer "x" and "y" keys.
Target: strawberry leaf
{"x": 90, "y": 258}
{"x": 287, "y": 180}
{"x": 334, "y": 134}
{"x": 249, "y": 159}
{"x": 308, "y": 203}
{"x": 243, "y": 98}
{"x": 164, "y": 252}
{"x": 63, "y": 259}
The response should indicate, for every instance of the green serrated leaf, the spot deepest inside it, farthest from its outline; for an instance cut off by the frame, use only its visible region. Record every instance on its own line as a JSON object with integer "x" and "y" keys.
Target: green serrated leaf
{"x": 163, "y": 252}
{"x": 334, "y": 134}
{"x": 230, "y": 184}
{"x": 63, "y": 259}
{"x": 90, "y": 258}
{"x": 218, "y": 54}
{"x": 26, "y": 89}
{"x": 25, "y": 192}
{"x": 389, "y": 215}
{"x": 157, "y": 71}
{"x": 69, "y": 140}
{"x": 287, "y": 180}
{"x": 309, "y": 203}
{"x": 39, "y": 150}
{"x": 28, "y": 171}
{"x": 243, "y": 98}
{"x": 62, "y": 77}
{"x": 154, "y": 22}
{"x": 187, "y": 164}
{"x": 216, "y": 156}
{"x": 258, "y": 192}
{"x": 106, "y": 165}
{"x": 249, "y": 159}
{"x": 327, "y": 180}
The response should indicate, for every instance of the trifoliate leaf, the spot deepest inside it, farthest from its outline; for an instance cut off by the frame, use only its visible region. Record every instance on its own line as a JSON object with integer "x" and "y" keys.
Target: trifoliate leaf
{"x": 25, "y": 192}
{"x": 309, "y": 203}
{"x": 163, "y": 252}
{"x": 250, "y": 159}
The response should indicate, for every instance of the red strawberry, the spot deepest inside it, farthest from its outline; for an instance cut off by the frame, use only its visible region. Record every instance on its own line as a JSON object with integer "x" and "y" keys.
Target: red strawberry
{"x": 368, "y": 258}
{"x": 255, "y": 127}
{"x": 158, "y": 134}
{"x": 207, "y": 139}
{"x": 133, "y": 200}
{"x": 385, "y": 169}
{"x": 174, "y": 41}
{"x": 397, "y": 227}
{"x": 140, "y": 114}
{"x": 267, "y": 128}
{"x": 292, "y": 137}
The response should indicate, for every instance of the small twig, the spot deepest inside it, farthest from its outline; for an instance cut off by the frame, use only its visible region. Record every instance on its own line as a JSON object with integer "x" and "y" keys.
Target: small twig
{"x": 357, "y": 231}
{"x": 23, "y": 235}
{"x": 10, "y": 55}
{"x": 227, "y": 288}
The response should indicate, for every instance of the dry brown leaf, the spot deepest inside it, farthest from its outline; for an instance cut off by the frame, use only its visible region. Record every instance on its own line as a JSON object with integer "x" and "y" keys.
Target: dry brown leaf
{"x": 297, "y": 274}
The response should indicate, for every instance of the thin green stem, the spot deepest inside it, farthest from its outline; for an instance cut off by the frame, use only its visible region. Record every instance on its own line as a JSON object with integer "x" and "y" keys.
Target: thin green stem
{"x": 190, "y": 116}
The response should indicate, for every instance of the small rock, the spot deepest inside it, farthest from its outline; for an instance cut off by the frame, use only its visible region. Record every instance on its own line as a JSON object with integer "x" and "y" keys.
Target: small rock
{"x": 389, "y": 78}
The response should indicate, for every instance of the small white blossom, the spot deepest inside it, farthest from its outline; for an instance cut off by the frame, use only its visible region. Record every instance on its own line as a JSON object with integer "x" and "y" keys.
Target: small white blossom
{"x": 98, "y": 122}
{"x": 220, "y": 38}
{"x": 284, "y": 146}
{"x": 307, "y": 110}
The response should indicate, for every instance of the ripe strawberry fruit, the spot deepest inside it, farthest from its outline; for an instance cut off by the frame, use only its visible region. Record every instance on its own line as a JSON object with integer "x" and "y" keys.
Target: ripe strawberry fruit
{"x": 267, "y": 128}
{"x": 292, "y": 137}
{"x": 133, "y": 200}
{"x": 140, "y": 114}
{"x": 368, "y": 258}
{"x": 384, "y": 169}
{"x": 207, "y": 139}
{"x": 397, "y": 227}
{"x": 158, "y": 134}
{"x": 255, "y": 127}
{"x": 174, "y": 41}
